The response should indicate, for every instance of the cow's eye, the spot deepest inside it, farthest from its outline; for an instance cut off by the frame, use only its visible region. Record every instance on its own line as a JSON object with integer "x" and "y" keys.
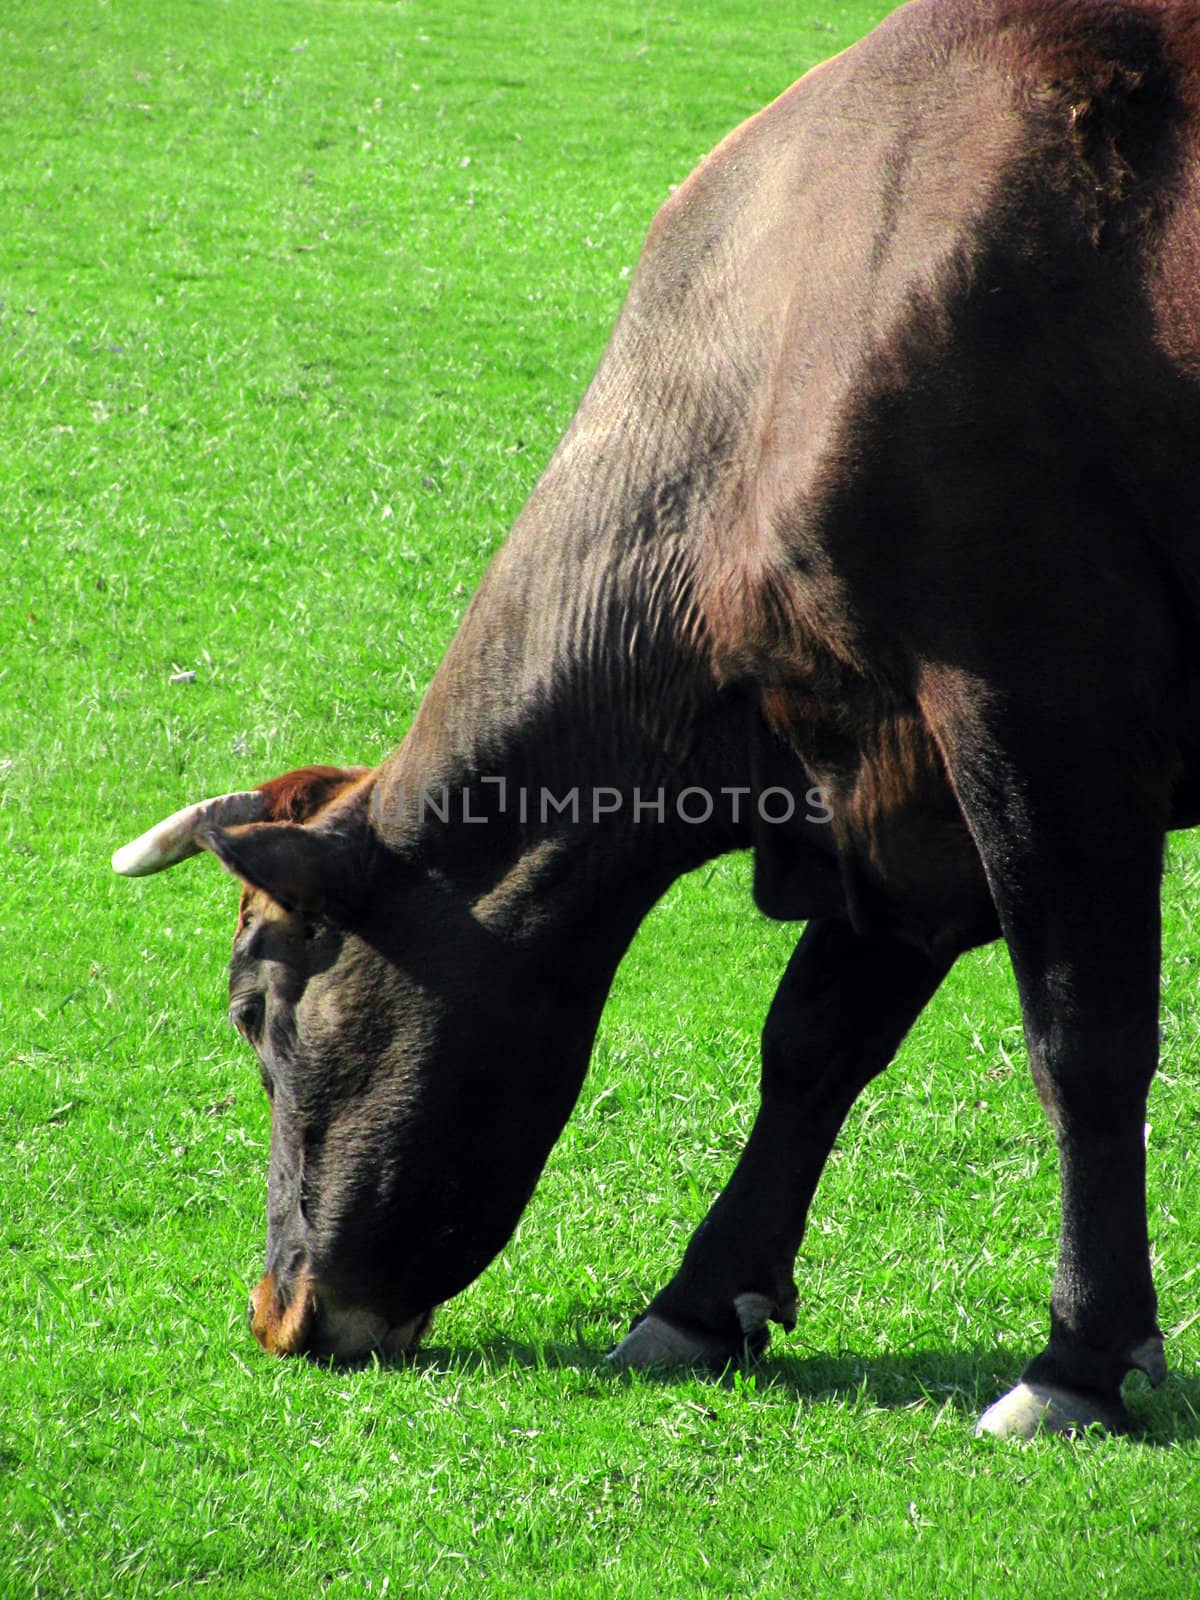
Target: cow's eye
{"x": 246, "y": 1013}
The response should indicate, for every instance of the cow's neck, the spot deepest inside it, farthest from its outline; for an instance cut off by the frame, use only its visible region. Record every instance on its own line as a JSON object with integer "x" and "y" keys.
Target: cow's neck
{"x": 573, "y": 710}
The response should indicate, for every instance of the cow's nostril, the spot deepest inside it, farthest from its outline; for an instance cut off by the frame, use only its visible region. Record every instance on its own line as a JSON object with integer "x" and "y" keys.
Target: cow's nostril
{"x": 281, "y": 1321}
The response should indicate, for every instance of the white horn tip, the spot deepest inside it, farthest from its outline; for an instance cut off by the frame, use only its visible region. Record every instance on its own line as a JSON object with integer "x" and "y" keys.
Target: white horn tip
{"x": 174, "y": 839}
{"x": 153, "y": 851}
{"x": 128, "y": 860}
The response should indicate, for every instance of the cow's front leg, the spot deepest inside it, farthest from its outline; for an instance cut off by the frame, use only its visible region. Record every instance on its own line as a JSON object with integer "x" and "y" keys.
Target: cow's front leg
{"x": 838, "y": 1017}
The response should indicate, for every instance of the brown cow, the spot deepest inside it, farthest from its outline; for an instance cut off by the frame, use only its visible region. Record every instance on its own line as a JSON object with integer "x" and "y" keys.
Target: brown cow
{"x": 875, "y": 547}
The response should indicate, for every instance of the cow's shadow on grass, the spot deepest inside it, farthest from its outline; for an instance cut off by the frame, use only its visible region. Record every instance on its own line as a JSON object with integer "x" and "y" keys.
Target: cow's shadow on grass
{"x": 962, "y": 1382}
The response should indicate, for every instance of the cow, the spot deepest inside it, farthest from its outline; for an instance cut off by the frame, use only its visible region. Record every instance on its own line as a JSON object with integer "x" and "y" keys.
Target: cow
{"x": 873, "y": 548}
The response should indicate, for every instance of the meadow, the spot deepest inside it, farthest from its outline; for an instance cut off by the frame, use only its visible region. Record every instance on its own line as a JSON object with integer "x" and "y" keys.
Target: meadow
{"x": 294, "y": 303}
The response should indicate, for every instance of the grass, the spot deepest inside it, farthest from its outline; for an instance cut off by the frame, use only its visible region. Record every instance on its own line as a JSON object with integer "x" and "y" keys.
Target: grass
{"x": 295, "y": 302}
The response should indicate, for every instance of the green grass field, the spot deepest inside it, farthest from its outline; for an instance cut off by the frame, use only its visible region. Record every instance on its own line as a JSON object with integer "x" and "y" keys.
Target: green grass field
{"x": 294, "y": 303}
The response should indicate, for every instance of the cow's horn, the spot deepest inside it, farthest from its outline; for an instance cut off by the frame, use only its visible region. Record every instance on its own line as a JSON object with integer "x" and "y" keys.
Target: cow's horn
{"x": 175, "y": 840}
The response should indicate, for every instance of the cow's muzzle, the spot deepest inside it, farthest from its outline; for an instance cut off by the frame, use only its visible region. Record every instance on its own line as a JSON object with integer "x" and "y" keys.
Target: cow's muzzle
{"x": 300, "y": 1318}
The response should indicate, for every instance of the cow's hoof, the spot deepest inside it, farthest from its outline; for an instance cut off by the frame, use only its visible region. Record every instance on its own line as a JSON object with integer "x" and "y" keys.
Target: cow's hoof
{"x": 1033, "y": 1408}
{"x": 654, "y": 1342}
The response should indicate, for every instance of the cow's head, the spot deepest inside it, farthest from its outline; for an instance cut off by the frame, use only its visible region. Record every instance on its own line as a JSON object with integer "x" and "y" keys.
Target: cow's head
{"x": 421, "y": 1046}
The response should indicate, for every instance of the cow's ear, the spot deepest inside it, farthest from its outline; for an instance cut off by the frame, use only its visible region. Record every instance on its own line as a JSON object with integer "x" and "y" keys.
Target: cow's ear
{"x": 310, "y": 871}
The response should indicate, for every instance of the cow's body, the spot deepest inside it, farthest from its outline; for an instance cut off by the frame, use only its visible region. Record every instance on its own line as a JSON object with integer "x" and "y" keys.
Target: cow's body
{"x": 888, "y": 487}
